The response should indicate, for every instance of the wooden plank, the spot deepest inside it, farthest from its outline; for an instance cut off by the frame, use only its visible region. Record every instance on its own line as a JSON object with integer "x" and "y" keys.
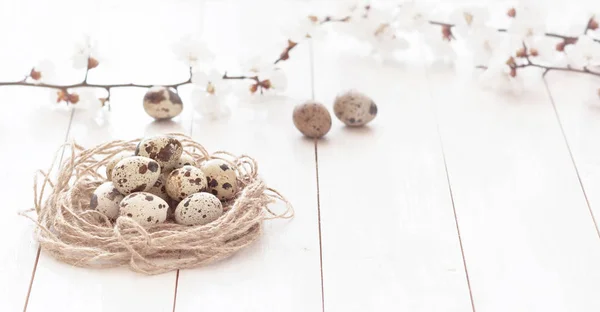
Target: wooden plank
{"x": 528, "y": 238}
{"x": 577, "y": 102}
{"x": 388, "y": 231}
{"x": 30, "y": 134}
{"x": 280, "y": 272}
{"x": 75, "y": 289}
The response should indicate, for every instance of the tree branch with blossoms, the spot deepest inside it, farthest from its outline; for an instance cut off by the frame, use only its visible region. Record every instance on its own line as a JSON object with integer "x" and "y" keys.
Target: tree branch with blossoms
{"x": 501, "y": 52}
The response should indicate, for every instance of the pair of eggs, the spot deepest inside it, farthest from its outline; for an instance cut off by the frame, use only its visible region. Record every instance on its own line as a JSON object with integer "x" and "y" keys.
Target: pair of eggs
{"x": 160, "y": 173}
{"x": 352, "y": 108}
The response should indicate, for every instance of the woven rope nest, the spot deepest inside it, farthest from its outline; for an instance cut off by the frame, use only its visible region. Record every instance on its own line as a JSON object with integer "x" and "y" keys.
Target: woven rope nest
{"x": 73, "y": 233}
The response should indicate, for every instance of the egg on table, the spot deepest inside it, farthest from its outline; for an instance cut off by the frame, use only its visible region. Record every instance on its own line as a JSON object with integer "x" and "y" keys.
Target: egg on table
{"x": 221, "y": 178}
{"x": 110, "y": 165}
{"x": 312, "y": 119}
{"x": 106, "y": 199}
{"x": 185, "y": 181}
{"x": 164, "y": 149}
{"x": 162, "y": 103}
{"x": 354, "y": 108}
{"x": 198, "y": 209}
{"x": 135, "y": 174}
{"x": 145, "y": 208}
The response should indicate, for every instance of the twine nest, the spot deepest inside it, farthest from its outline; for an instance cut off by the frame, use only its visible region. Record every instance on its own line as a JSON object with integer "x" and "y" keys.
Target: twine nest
{"x": 73, "y": 233}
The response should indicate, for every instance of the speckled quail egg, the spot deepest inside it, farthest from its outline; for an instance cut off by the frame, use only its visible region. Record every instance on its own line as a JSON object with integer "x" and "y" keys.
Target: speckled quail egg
{"x": 312, "y": 119}
{"x": 184, "y": 160}
{"x": 110, "y": 165}
{"x": 198, "y": 209}
{"x": 221, "y": 178}
{"x": 106, "y": 199}
{"x": 162, "y": 103}
{"x": 354, "y": 108}
{"x": 159, "y": 188}
{"x": 163, "y": 149}
{"x": 185, "y": 181}
{"x": 145, "y": 208}
{"x": 135, "y": 174}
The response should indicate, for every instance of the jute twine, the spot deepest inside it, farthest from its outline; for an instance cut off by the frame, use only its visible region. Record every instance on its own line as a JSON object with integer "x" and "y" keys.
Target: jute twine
{"x": 71, "y": 232}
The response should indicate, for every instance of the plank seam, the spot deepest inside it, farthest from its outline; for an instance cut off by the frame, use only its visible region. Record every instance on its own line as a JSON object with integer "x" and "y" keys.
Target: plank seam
{"x": 562, "y": 131}
{"x": 312, "y": 88}
{"x": 446, "y": 172}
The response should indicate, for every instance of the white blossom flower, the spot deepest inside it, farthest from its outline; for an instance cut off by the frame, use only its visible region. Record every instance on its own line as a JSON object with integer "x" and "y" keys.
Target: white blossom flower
{"x": 527, "y": 23}
{"x": 306, "y": 27}
{"x": 193, "y": 51}
{"x": 278, "y": 80}
{"x": 211, "y": 106}
{"x": 483, "y": 41}
{"x": 585, "y": 52}
{"x": 84, "y": 49}
{"x": 88, "y": 99}
{"x": 500, "y": 76}
{"x": 469, "y": 19}
{"x": 212, "y": 81}
{"x": 266, "y": 71}
{"x": 543, "y": 49}
{"x": 412, "y": 15}
{"x": 439, "y": 45}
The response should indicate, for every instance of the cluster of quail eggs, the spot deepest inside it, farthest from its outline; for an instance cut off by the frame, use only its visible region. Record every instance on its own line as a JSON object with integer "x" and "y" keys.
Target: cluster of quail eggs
{"x": 353, "y": 108}
{"x": 160, "y": 181}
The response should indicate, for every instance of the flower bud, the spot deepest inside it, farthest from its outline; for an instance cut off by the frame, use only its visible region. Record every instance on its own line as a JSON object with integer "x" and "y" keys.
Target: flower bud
{"x": 73, "y": 98}
{"x": 35, "y": 75}
{"x": 512, "y": 12}
{"x": 92, "y": 63}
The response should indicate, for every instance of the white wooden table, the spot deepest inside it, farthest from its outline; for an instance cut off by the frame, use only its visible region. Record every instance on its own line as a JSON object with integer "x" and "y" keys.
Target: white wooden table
{"x": 454, "y": 199}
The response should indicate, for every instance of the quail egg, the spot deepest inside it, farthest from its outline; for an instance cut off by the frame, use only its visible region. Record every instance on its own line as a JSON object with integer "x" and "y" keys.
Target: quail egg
{"x": 135, "y": 174}
{"x": 221, "y": 178}
{"x": 198, "y": 209}
{"x": 106, "y": 199}
{"x": 162, "y": 103}
{"x": 163, "y": 149}
{"x": 185, "y": 181}
{"x": 354, "y": 108}
{"x": 145, "y": 208}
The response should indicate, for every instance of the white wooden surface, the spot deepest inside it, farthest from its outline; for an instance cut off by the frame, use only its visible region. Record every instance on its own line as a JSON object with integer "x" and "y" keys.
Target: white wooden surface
{"x": 517, "y": 176}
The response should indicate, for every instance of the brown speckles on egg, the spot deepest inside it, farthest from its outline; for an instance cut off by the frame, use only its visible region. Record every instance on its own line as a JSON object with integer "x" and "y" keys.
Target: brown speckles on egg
{"x": 354, "y": 108}
{"x": 373, "y": 109}
{"x": 145, "y": 209}
{"x": 154, "y": 97}
{"x": 221, "y": 183}
{"x": 164, "y": 149}
{"x": 106, "y": 199}
{"x": 153, "y": 166}
{"x": 212, "y": 182}
{"x": 162, "y": 103}
{"x": 132, "y": 175}
{"x": 224, "y": 167}
{"x": 174, "y": 97}
{"x": 312, "y": 119}
{"x": 198, "y": 209}
{"x": 110, "y": 165}
{"x": 140, "y": 188}
{"x": 184, "y": 182}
